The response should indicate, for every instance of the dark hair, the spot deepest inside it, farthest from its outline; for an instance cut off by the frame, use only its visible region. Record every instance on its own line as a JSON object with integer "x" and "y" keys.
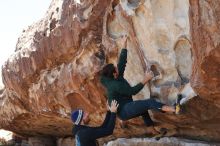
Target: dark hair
{"x": 108, "y": 70}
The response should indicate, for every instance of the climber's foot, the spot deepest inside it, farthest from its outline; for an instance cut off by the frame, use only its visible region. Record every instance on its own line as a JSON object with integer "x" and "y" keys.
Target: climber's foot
{"x": 178, "y": 106}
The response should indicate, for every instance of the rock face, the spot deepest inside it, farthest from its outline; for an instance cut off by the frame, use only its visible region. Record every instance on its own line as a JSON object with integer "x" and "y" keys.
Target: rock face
{"x": 205, "y": 20}
{"x": 153, "y": 142}
{"x": 56, "y": 66}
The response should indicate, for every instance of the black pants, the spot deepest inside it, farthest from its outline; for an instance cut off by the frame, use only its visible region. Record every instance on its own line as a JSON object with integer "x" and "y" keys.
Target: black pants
{"x": 139, "y": 108}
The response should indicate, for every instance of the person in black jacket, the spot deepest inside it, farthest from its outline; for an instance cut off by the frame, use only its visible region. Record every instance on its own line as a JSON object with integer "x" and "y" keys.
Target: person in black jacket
{"x": 85, "y": 135}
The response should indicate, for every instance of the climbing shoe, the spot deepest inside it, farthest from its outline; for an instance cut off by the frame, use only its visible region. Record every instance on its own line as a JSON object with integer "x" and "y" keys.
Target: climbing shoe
{"x": 178, "y": 106}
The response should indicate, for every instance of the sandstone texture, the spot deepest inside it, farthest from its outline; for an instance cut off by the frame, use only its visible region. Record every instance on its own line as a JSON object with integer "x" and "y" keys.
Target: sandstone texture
{"x": 204, "y": 22}
{"x": 56, "y": 66}
{"x": 161, "y": 142}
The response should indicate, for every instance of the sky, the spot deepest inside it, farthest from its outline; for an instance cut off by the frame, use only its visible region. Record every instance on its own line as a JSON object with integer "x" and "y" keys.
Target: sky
{"x": 15, "y": 16}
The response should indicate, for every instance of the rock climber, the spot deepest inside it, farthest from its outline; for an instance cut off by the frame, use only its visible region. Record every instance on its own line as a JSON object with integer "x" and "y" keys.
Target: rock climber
{"x": 86, "y": 135}
{"x": 120, "y": 90}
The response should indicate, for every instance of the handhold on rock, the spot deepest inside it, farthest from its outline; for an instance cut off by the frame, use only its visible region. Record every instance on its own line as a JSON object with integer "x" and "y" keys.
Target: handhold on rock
{"x": 156, "y": 72}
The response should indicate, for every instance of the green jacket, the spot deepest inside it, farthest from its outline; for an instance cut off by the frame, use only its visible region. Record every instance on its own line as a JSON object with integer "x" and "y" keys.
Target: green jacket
{"x": 119, "y": 89}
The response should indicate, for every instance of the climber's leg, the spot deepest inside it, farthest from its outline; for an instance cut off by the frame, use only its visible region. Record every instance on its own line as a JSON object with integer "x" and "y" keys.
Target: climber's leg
{"x": 167, "y": 108}
{"x": 140, "y": 108}
{"x": 147, "y": 119}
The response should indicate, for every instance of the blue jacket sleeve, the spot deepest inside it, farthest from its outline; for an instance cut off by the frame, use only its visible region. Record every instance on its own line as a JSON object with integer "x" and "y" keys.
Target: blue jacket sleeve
{"x": 122, "y": 62}
{"x": 98, "y": 132}
{"x": 107, "y": 116}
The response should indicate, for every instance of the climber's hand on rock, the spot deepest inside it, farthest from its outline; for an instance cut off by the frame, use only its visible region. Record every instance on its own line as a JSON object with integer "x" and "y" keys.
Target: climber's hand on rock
{"x": 124, "y": 41}
{"x": 148, "y": 76}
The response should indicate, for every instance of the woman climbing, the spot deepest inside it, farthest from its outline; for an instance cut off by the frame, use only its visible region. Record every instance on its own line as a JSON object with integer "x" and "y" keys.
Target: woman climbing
{"x": 120, "y": 90}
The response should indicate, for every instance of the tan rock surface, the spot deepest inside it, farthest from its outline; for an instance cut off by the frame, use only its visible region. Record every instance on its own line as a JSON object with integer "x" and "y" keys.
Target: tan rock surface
{"x": 205, "y": 21}
{"x": 55, "y": 68}
{"x": 153, "y": 142}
